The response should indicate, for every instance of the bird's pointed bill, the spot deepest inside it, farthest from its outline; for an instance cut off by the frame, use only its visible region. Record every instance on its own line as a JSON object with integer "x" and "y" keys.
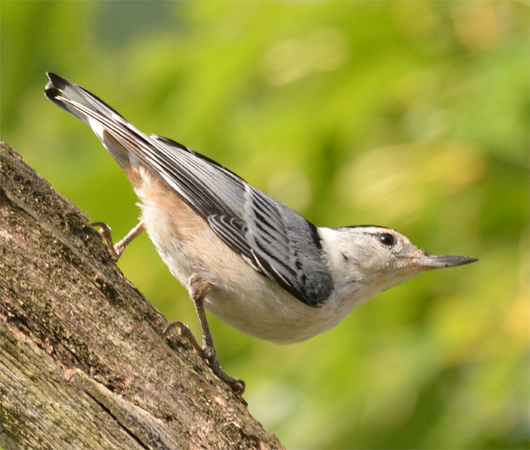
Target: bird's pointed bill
{"x": 440, "y": 261}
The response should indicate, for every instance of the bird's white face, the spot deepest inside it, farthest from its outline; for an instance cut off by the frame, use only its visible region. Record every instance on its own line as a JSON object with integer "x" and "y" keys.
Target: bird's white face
{"x": 378, "y": 249}
{"x": 380, "y": 257}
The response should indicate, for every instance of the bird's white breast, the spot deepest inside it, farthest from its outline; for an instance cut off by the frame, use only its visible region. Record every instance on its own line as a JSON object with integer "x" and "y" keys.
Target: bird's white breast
{"x": 241, "y": 297}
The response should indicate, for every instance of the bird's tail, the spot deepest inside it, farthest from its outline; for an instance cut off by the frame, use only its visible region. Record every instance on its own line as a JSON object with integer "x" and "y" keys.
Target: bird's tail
{"x": 94, "y": 112}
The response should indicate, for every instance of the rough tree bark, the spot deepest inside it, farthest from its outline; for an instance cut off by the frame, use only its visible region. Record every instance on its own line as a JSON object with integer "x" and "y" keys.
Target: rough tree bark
{"x": 82, "y": 363}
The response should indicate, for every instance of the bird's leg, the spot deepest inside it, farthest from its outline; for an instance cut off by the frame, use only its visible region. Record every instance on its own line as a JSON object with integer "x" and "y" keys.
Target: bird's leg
{"x": 199, "y": 288}
{"x": 117, "y": 249}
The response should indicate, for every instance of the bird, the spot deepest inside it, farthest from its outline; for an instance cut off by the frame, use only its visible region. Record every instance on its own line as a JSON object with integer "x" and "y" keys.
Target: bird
{"x": 249, "y": 259}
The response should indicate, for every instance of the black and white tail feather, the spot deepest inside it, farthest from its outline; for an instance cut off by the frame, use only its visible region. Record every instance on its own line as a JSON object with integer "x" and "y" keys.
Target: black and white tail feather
{"x": 270, "y": 236}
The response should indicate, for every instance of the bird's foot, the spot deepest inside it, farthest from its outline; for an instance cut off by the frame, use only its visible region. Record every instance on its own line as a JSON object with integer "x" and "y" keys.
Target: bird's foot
{"x": 209, "y": 355}
{"x": 117, "y": 249}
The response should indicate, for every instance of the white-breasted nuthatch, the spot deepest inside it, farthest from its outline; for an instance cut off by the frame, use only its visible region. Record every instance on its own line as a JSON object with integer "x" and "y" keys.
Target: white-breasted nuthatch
{"x": 251, "y": 260}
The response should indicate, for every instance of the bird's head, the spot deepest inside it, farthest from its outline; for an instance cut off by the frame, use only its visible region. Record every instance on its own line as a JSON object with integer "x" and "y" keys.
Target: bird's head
{"x": 379, "y": 257}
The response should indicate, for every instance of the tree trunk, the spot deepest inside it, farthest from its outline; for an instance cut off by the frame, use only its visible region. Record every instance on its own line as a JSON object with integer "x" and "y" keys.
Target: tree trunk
{"x": 82, "y": 361}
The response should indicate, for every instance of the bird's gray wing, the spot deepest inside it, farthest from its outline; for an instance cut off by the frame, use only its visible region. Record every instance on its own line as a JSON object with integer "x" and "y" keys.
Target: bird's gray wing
{"x": 274, "y": 239}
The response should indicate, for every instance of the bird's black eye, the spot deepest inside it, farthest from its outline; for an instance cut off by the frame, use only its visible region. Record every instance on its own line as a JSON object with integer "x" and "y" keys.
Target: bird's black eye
{"x": 386, "y": 239}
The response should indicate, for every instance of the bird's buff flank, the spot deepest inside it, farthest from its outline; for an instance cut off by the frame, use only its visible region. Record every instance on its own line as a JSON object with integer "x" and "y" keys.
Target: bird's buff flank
{"x": 252, "y": 261}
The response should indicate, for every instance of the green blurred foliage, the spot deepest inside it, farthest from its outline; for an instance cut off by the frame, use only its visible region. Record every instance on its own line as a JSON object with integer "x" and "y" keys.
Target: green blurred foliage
{"x": 409, "y": 114}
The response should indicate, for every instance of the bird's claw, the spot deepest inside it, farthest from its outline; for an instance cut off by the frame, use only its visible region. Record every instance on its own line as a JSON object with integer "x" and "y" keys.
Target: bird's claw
{"x": 208, "y": 354}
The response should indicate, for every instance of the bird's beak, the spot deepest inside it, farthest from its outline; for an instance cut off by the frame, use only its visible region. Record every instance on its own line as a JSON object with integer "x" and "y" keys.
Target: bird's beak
{"x": 429, "y": 261}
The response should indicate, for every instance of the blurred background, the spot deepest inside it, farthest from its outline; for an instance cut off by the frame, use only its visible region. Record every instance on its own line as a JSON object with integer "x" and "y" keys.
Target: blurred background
{"x": 408, "y": 114}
